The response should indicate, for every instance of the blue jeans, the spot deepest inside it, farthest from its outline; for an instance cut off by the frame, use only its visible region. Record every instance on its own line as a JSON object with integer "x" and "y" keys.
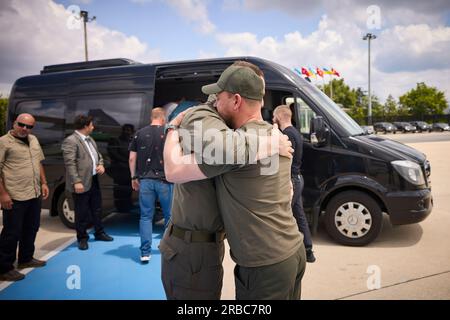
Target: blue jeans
{"x": 149, "y": 191}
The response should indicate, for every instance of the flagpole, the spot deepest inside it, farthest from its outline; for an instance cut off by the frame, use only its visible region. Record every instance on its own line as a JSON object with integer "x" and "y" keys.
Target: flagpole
{"x": 331, "y": 87}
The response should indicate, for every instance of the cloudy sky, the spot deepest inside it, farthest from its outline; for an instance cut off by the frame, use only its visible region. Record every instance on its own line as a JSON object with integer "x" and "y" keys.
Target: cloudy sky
{"x": 412, "y": 45}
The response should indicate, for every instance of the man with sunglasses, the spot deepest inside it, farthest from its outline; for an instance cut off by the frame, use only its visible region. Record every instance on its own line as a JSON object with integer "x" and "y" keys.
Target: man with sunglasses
{"x": 22, "y": 185}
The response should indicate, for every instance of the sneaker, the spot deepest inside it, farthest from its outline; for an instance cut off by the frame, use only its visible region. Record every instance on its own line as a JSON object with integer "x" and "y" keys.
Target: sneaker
{"x": 145, "y": 259}
{"x": 33, "y": 263}
{"x": 310, "y": 256}
{"x": 12, "y": 275}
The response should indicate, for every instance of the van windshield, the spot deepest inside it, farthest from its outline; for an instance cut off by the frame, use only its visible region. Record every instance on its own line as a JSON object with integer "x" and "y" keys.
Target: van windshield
{"x": 329, "y": 107}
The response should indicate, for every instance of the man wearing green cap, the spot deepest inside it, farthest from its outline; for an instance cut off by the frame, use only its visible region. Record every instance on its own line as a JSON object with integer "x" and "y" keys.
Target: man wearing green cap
{"x": 254, "y": 202}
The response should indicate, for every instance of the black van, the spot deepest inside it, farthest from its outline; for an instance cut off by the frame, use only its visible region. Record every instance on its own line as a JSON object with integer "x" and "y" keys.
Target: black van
{"x": 350, "y": 178}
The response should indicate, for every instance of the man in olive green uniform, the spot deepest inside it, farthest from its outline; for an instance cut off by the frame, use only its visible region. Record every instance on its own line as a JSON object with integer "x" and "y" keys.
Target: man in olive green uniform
{"x": 254, "y": 202}
{"x": 192, "y": 246}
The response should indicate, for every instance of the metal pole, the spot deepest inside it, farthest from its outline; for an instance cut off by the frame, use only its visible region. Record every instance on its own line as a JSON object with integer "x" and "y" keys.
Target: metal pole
{"x": 85, "y": 16}
{"x": 369, "y": 37}
{"x": 85, "y": 38}
{"x": 370, "y": 94}
{"x": 331, "y": 87}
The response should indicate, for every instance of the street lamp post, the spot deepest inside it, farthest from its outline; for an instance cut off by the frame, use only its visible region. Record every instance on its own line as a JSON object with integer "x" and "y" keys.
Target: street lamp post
{"x": 369, "y": 36}
{"x": 85, "y": 16}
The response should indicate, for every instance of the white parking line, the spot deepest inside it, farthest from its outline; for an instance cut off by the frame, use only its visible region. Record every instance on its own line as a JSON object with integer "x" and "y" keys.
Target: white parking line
{"x": 49, "y": 255}
{"x": 6, "y": 284}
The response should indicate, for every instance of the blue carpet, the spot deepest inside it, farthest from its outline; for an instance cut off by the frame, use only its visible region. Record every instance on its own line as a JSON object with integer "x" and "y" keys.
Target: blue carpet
{"x": 108, "y": 270}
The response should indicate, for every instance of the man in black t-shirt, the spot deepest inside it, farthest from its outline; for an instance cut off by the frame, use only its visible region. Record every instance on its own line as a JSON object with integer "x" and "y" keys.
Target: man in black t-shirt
{"x": 282, "y": 116}
{"x": 147, "y": 176}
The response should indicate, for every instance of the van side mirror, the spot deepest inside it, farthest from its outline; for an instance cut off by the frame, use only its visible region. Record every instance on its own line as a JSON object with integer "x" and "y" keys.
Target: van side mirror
{"x": 318, "y": 132}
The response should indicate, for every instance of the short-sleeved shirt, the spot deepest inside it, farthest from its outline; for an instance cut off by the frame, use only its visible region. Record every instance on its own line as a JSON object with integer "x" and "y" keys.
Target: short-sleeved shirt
{"x": 148, "y": 143}
{"x": 20, "y": 166}
{"x": 194, "y": 205}
{"x": 256, "y": 208}
{"x": 297, "y": 144}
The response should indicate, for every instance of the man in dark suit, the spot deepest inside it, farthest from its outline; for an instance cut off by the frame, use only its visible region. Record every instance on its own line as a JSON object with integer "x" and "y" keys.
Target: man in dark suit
{"x": 83, "y": 165}
{"x": 282, "y": 115}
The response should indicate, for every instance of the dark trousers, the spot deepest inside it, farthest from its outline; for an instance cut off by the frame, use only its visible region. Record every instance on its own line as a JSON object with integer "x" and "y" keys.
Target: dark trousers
{"x": 191, "y": 270}
{"x": 299, "y": 213}
{"x": 20, "y": 225}
{"x": 88, "y": 208}
{"x": 279, "y": 281}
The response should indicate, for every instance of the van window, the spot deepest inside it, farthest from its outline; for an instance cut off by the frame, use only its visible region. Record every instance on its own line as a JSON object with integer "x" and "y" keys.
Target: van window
{"x": 50, "y": 120}
{"x": 112, "y": 111}
{"x": 303, "y": 116}
{"x": 116, "y": 118}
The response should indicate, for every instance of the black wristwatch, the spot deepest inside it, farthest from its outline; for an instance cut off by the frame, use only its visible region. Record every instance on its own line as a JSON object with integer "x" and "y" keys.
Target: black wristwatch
{"x": 134, "y": 177}
{"x": 168, "y": 127}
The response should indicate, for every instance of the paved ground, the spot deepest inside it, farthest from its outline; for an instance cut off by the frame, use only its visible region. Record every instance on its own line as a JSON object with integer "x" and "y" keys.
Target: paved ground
{"x": 413, "y": 260}
{"x": 418, "y": 137}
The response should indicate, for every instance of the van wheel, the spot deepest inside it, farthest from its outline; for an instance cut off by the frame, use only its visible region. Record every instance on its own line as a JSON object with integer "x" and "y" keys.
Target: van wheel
{"x": 353, "y": 218}
{"x": 66, "y": 215}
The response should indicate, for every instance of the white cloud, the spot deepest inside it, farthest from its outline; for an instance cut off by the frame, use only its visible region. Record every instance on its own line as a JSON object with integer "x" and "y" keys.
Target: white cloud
{"x": 401, "y": 55}
{"x": 195, "y": 11}
{"x": 206, "y": 55}
{"x": 413, "y": 48}
{"x": 38, "y": 35}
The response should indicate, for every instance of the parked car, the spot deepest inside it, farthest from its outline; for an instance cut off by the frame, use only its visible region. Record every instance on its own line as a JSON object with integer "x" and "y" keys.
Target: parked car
{"x": 405, "y": 127}
{"x": 368, "y": 129}
{"x": 421, "y": 126}
{"x": 350, "y": 178}
{"x": 384, "y": 127}
{"x": 440, "y": 126}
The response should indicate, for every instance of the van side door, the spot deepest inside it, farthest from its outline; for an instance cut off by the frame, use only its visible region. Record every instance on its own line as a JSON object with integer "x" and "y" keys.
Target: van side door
{"x": 117, "y": 116}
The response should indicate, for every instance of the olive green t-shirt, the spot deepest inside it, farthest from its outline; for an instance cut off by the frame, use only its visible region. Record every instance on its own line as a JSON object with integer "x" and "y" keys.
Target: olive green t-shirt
{"x": 20, "y": 166}
{"x": 194, "y": 205}
{"x": 256, "y": 208}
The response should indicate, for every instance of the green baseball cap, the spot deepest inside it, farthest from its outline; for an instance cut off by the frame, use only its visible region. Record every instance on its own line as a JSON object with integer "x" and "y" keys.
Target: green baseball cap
{"x": 238, "y": 79}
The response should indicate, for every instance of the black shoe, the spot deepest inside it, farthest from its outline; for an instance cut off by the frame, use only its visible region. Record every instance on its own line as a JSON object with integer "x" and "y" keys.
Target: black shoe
{"x": 310, "y": 256}
{"x": 33, "y": 263}
{"x": 103, "y": 237}
{"x": 11, "y": 275}
{"x": 83, "y": 244}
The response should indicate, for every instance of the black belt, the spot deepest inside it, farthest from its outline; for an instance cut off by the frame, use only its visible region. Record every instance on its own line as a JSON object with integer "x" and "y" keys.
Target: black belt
{"x": 195, "y": 236}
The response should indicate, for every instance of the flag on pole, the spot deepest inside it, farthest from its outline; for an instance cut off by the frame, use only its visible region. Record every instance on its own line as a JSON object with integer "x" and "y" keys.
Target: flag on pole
{"x": 319, "y": 72}
{"x": 335, "y": 73}
{"x": 305, "y": 72}
{"x": 326, "y": 71}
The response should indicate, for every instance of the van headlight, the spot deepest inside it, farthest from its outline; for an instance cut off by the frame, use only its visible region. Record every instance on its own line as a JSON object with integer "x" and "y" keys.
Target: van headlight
{"x": 409, "y": 170}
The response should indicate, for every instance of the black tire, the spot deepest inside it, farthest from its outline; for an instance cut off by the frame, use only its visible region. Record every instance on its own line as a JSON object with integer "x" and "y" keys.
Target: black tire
{"x": 63, "y": 211}
{"x": 371, "y": 212}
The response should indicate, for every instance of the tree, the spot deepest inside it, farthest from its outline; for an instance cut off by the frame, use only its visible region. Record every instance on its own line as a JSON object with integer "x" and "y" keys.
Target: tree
{"x": 424, "y": 100}
{"x": 390, "y": 106}
{"x": 342, "y": 93}
{"x": 3, "y": 108}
